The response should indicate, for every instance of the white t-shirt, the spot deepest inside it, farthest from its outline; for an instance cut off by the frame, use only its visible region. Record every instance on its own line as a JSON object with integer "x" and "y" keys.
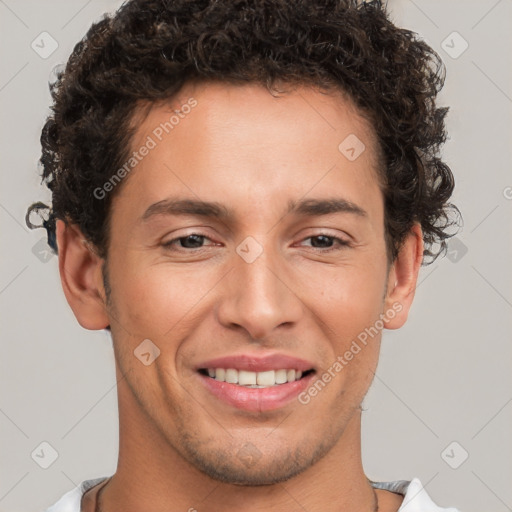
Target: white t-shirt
{"x": 416, "y": 498}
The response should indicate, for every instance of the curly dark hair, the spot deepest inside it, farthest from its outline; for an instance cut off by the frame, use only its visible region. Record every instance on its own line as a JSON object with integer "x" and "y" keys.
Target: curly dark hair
{"x": 149, "y": 49}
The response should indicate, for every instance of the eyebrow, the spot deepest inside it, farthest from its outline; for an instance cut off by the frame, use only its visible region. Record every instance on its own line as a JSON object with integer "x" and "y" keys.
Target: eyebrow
{"x": 305, "y": 207}
{"x": 313, "y": 207}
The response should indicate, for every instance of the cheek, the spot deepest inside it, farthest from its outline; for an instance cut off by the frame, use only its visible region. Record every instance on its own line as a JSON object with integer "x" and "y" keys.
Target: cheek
{"x": 154, "y": 301}
{"x": 348, "y": 304}
{"x": 348, "y": 299}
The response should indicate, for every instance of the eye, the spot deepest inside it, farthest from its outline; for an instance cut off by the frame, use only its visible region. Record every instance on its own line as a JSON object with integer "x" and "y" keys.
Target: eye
{"x": 326, "y": 243}
{"x": 322, "y": 242}
{"x": 192, "y": 241}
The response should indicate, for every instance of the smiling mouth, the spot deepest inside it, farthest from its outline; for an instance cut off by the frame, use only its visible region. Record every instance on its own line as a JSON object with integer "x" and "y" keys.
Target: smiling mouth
{"x": 255, "y": 380}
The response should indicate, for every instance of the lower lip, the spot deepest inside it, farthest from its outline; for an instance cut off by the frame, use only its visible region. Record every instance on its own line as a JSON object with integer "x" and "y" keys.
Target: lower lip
{"x": 257, "y": 399}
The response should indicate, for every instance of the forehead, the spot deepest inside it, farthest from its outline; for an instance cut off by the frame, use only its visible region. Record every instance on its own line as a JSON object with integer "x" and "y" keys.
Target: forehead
{"x": 219, "y": 141}
{"x": 286, "y": 117}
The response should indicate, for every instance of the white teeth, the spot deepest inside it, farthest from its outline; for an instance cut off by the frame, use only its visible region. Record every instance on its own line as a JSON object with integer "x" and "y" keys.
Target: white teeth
{"x": 281, "y": 376}
{"x": 246, "y": 378}
{"x": 266, "y": 378}
{"x": 255, "y": 379}
{"x": 231, "y": 376}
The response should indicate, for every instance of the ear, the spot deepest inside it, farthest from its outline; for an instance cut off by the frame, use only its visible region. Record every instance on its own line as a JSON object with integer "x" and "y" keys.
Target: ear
{"x": 402, "y": 279}
{"x": 81, "y": 276}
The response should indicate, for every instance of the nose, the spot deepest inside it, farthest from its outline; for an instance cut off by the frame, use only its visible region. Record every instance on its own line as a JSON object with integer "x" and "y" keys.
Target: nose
{"x": 258, "y": 297}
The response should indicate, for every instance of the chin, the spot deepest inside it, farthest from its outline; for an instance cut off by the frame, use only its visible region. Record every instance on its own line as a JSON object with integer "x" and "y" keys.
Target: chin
{"x": 248, "y": 466}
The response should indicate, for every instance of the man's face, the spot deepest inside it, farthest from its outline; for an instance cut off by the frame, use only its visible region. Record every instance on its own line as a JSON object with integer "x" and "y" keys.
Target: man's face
{"x": 267, "y": 281}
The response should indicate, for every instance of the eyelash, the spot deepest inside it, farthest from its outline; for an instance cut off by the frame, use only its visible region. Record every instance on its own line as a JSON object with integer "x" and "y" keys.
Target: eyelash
{"x": 339, "y": 241}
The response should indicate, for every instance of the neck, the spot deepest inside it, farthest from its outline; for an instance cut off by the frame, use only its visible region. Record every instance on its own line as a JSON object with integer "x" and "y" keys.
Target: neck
{"x": 151, "y": 475}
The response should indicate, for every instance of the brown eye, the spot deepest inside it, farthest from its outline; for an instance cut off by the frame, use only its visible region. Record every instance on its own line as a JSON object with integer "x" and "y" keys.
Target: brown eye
{"x": 192, "y": 241}
{"x": 326, "y": 243}
{"x": 322, "y": 241}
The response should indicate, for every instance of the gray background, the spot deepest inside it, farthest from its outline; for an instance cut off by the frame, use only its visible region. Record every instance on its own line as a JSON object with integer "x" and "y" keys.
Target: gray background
{"x": 445, "y": 377}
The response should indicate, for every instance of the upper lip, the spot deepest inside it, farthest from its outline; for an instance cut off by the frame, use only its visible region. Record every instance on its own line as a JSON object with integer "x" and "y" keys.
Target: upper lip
{"x": 257, "y": 363}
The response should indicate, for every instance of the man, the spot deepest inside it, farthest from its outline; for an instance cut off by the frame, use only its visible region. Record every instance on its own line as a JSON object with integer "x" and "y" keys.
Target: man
{"x": 243, "y": 194}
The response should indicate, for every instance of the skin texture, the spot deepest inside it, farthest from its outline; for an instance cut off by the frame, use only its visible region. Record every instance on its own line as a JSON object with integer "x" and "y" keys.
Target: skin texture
{"x": 253, "y": 153}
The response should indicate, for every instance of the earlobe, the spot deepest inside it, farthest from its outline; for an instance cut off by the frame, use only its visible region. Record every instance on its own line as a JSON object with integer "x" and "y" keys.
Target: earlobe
{"x": 81, "y": 276}
{"x": 402, "y": 279}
